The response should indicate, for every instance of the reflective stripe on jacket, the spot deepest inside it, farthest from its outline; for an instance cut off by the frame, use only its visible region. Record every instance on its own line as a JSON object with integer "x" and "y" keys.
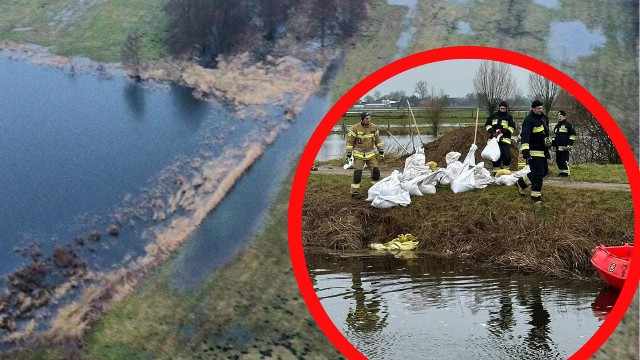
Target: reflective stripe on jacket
{"x": 361, "y": 141}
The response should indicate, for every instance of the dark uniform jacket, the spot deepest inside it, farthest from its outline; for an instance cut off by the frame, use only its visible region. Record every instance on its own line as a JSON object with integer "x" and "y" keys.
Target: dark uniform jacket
{"x": 502, "y": 121}
{"x": 534, "y": 135}
{"x": 362, "y": 139}
{"x": 563, "y": 135}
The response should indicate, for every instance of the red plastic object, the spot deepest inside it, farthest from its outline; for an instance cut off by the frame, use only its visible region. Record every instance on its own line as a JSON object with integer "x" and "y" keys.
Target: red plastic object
{"x": 612, "y": 263}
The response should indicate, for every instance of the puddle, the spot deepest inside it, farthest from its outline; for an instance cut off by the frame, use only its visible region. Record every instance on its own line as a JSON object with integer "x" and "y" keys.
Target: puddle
{"x": 570, "y": 40}
{"x": 551, "y": 4}
{"x": 464, "y": 28}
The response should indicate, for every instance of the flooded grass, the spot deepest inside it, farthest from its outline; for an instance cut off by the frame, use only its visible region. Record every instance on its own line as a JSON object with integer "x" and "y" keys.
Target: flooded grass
{"x": 492, "y": 225}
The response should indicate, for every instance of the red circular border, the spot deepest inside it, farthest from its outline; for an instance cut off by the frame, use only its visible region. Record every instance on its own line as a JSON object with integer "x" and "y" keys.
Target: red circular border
{"x": 423, "y": 58}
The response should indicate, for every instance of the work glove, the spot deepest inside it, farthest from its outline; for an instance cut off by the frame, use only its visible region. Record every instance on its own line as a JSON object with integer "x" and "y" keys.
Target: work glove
{"x": 525, "y": 154}
{"x": 497, "y": 133}
{"x": 347, "y": 159}
{"x": 569, "y": 147}
{"x": 381, "y": 156}
{"x": 547, "y": 142}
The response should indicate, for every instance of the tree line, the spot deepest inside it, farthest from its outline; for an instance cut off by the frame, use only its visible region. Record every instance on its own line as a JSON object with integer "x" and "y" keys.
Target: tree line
{"x": 203, "y": 29}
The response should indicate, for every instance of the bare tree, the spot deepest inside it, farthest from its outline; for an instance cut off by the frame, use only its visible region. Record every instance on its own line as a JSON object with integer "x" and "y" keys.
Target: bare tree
{"x": 131, "y": 54}
{"x": 592, "y": 144}
{"x": 422, "y": 89}
{"x": 544, "y": 90}
{"x": 435, "y": 105}
{"x": 493, "y": 83}
{"x": 377, "y": 95}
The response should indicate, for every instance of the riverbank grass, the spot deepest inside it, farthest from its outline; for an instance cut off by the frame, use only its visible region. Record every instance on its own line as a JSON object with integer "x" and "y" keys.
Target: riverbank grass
{"x": 249, "y": 309}
{"x": 493, "y": 225}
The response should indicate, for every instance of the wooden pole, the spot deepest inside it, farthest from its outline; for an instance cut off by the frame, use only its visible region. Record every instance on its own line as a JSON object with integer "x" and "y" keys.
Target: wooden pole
{"x": 415, "y": 123}
{"x": 475, "y": 135}
{"x": 396, "y": 140}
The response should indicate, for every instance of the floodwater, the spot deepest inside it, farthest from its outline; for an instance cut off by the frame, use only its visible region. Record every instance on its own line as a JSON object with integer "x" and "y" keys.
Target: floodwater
{"x": 412, "y": 306}
{"x": 73, "y": 148}
{"x": 570, "y": 40}
{"x": 408, "y": 34}
{"x": 334, "y": 145}
{"x": 239, "y": 217}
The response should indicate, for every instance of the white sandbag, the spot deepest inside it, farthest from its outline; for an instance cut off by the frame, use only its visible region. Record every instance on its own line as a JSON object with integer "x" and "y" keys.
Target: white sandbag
{"x": 507, "y": 180}
{"x": 471, "y": 155}
{"x": 482, "y": 176}
{"x": 414, "y": 166}
{"x": 412, "y": 186}
{"x": 349, "y": 165}
{"x": 390, "y": 182}
{"x": 392, "y": 197}
{"x": 522, "y": 172}
{"x": 492, "y": 150}
{"x": 454, "y": 169}
{"x": 464, "y": 182}
{"x": 451, "y": 157}
{"x": 426, "y": 188}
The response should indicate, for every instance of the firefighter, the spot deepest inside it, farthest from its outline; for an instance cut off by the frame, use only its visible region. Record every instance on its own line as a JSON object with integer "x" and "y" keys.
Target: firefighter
{"x": 563, "y": 137}
{"x": 535, "y": 144}
{"x": 501, "y": 123}
{"x": 361, "y": 141}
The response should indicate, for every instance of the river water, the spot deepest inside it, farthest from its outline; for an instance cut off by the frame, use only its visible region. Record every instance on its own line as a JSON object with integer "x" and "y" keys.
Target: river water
{"x": 73, "y": 148}
{"x": 411, "y": 306}
{"x": 333, "y": 146}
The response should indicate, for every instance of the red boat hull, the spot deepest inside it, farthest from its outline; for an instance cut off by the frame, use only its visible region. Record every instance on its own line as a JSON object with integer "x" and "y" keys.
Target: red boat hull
{"x": 612, "y": 263}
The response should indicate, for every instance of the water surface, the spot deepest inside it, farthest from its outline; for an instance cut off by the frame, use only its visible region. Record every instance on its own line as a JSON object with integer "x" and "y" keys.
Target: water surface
{"x": 410, "y": 306}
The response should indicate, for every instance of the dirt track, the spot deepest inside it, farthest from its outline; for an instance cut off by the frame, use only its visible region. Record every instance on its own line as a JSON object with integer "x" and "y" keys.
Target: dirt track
{"x": 386, "y": 171}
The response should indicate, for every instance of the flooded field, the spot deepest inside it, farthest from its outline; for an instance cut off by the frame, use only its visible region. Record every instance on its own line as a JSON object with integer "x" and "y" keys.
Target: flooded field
{"x": 411, "y": 306}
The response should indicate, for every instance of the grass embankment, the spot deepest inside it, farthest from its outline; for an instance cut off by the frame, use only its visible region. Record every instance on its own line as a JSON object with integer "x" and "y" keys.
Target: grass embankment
{"x": 374, "y": 48}
{"x": 527, "y": 27}
{"x": 250, "y": 309}
{"x": 493, "y": 225}
{"x": 96, "y": 29}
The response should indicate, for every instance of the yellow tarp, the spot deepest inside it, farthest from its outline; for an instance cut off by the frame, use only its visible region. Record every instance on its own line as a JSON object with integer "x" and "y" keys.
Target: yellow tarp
{"x": 402, "y": 242}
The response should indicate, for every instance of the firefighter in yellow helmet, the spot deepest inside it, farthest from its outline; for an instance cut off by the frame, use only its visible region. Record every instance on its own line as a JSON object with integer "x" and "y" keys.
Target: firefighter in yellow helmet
{"x": 361, "y": 141}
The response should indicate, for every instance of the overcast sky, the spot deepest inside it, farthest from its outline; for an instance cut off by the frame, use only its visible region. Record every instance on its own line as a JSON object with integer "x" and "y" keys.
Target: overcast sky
{"x": 455, "y": 77}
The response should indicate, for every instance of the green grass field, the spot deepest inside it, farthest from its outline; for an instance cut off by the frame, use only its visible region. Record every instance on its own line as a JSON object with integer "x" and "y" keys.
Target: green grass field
{"x": 95, "y": 29}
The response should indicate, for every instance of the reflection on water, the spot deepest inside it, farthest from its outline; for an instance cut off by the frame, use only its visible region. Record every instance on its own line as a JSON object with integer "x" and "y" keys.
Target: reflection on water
{"x": 422, "y": 307}
{"x": 604, "y": 302}
{"x": 570, "y": 40}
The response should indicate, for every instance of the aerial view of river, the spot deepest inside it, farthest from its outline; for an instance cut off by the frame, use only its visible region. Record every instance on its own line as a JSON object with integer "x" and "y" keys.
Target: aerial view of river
{"x": 412, "y": 306}
{"x": 85, "y": 152}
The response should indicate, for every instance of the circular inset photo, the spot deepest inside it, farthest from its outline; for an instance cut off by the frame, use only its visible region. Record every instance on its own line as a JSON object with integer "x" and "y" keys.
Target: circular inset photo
{"x": 456, "y": 206}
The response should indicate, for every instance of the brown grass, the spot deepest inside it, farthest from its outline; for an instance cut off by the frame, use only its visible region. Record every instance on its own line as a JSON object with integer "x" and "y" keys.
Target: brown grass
{"x": 493, "y": 225}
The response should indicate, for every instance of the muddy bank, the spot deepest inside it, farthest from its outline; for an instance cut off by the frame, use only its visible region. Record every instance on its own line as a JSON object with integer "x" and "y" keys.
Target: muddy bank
{"x": 493, "y": 226}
